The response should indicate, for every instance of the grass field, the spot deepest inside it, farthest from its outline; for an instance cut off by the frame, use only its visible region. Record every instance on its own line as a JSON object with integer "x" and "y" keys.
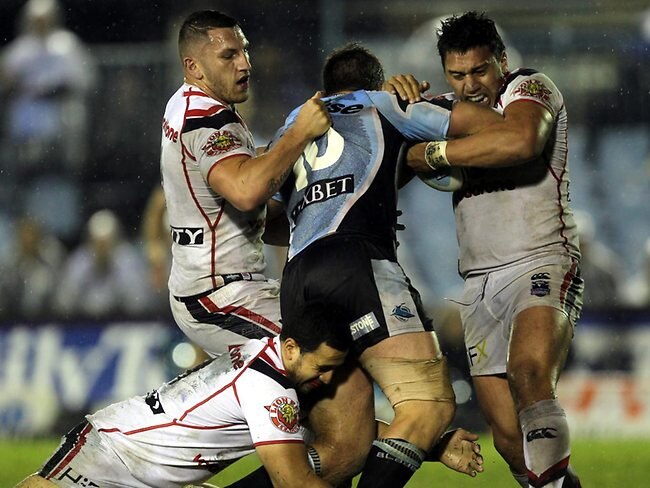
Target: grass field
{"x": 600, "y": 463}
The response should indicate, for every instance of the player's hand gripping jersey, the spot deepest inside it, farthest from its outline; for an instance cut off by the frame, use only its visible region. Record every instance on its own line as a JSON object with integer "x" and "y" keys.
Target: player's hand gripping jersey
{"x": 505, "y": 215}
{"x": 345, "y": 181}
{"x": 200, "y": 422}
{"x": 210, "y": 236}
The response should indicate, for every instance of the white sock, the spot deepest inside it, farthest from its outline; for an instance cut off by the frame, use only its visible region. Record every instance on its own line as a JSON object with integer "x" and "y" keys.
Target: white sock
{"x": 546, "y": 443}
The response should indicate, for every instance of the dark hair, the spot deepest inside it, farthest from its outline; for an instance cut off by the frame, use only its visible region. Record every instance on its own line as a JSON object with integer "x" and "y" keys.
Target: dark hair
{"x": 197, "y": 24}
{"x": 352, "y": 67}
{"x": 317, "y": 323}
{"x": 472, "y": 29}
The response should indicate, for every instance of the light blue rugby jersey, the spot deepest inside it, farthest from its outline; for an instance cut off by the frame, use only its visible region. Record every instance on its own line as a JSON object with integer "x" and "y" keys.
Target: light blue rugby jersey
{"x": 346, "y": 181}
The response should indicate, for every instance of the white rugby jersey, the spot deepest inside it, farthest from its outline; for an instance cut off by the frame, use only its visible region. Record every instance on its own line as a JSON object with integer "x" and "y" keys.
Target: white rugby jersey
{"x": 210, "y": 236}
{"x": 203, "y": 420}
{"x": 505, "y": 215}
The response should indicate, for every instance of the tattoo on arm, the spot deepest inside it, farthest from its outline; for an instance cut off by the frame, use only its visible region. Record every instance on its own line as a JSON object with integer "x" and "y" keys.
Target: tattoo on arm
{"x": 275, "y": 183}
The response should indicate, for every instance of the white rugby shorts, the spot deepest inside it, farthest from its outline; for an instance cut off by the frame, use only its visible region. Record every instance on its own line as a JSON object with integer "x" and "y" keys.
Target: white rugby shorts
{"x": 84, "y": 459}
{"x": 229, "y": 315}
{"x": 491, "y": 301}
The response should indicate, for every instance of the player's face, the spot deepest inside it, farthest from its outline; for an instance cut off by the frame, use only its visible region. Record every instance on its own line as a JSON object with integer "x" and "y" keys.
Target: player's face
{"x": 476, "y": 75}
{"x": 313, "y": 369}
{"x": 225, "y": 65}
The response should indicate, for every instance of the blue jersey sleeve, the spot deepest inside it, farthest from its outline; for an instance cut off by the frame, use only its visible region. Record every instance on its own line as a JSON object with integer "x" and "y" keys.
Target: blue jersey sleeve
{"x": 425, "y": 120}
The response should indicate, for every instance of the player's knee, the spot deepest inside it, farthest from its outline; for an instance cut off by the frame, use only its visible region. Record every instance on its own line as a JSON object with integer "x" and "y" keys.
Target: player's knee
{"x": 426, "y": 414}
{"x": 528, "y": 376}
{"x": 422, "y": 422}
{"x": 342, "y": 461}
{"x": 420, "y": 393}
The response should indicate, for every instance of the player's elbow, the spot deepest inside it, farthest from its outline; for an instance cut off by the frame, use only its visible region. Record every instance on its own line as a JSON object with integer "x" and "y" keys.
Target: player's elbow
{"x": 247, "y": 202}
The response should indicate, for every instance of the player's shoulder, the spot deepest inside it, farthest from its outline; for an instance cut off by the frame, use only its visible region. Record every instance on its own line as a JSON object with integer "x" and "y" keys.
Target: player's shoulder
{"x": 527, "y": 83}
{"x": 385, "y": 101}
{"x": 524, "y": 80}
{"x": 388, "y": 102}
{"x": 266, "y": 360}
{"x": 203, "y": 111}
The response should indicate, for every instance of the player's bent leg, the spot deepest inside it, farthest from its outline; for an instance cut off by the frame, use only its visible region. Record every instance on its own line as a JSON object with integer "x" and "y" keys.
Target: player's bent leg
{"x": 413, "y": 375}
{"x": 35, "y": 481}
{"x": 533, "y": 374}
{"x": 498, "y": 408}
{"x": 345, "y": 405}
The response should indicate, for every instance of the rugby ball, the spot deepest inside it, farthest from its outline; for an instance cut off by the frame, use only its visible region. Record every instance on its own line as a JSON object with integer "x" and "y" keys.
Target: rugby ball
{"x": 450, "y": 178}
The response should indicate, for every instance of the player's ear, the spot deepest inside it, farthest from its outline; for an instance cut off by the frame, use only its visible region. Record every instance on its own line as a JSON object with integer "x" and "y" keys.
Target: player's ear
{"x": 291, "y": 348}
{"x": 192, "y": 68}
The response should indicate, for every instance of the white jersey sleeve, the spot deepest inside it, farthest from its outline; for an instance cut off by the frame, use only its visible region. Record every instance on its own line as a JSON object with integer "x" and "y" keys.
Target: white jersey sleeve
{"x": 211, "y": 138}
{"x": 536, "y": 87}
{"x": 270, "y": 407}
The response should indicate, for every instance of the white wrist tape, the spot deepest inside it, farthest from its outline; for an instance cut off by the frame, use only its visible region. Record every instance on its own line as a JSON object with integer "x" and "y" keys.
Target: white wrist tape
{"x": 435, "y": 155}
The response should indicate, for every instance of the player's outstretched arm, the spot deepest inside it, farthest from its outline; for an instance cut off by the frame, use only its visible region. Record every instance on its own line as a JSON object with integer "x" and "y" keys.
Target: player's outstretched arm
{"x": 287, "y": 466}
{"x": 458, "y": 450}
{"x": 520, "y": 138}
{"x": 249, "y": 182}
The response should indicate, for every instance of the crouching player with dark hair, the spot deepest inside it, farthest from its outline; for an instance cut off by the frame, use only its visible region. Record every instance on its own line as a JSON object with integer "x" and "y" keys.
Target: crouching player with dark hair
{"x": 203, "y": 420}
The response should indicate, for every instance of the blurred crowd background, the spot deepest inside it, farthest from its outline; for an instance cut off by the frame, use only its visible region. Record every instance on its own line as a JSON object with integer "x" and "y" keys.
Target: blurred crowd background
{"x": 83, "y": 85}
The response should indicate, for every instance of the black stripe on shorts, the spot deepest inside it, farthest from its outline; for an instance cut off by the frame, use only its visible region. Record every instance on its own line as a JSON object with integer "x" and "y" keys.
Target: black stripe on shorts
{"x": 227, "y": 321}
{"x": 68, "y": 443}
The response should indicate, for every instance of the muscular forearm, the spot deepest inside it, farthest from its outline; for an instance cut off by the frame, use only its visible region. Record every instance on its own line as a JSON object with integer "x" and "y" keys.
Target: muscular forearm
{"x": 492, "y": 147}
{"x": 249, "y": 182}
{"x": 259, "y": 178}
{"x": 518, "y": 139}
{"x": 485, "y": 149}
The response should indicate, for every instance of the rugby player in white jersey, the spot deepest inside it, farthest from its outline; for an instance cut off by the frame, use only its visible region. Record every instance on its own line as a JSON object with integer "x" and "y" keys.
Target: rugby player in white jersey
{"x": 194, "y": 426}
{"x": 518, "y": 243}
{"x": 216, "y": 188}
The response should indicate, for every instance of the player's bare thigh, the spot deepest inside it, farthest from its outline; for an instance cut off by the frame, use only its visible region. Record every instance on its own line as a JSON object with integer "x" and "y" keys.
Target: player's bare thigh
{"x": 539, "y": 344}
{"x": 35, "y": 481}
{"x": 411, "y": 345}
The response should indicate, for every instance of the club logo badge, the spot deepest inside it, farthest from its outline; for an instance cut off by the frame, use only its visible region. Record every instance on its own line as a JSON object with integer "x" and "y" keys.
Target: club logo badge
{"x": 534, "y": 89}
{"x": 402, "y": 312}
{"x": 283, "y": 412}
{"x": 220, "y": 142}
